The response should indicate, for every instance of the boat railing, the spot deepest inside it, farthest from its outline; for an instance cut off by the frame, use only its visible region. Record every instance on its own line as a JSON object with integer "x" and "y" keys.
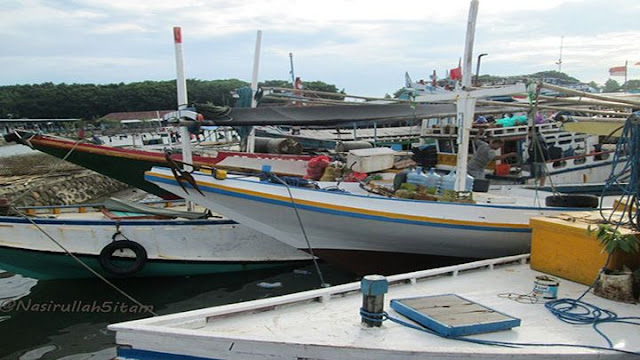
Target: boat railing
{"x": 510, "y": 131}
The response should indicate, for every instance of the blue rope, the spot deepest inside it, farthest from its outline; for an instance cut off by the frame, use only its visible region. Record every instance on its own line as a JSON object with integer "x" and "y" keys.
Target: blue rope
{"x": 383, "y": 316}
{"x": 625, "y": 175}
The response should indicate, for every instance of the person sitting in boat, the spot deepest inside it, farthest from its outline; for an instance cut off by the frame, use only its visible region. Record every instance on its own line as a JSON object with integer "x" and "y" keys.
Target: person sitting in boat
{"x": 485, "y": 153}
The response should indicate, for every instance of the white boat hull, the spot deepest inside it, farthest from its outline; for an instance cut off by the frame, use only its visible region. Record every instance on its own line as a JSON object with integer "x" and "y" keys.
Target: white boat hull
{"x": 173, "y": 247}
{"x": 348, "y": 222}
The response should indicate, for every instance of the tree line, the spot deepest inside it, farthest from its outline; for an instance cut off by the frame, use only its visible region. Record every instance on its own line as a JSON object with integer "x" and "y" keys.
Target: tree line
{"x": 90, "y": 101}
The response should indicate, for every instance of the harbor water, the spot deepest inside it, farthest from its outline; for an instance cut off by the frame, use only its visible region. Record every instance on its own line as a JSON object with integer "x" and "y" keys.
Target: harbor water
{"x": 67, "y": 319}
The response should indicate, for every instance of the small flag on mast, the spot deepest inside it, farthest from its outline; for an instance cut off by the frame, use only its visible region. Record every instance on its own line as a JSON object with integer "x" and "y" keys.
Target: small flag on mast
{"x": 456, "y": 74}
{"x": 618, "y": 71}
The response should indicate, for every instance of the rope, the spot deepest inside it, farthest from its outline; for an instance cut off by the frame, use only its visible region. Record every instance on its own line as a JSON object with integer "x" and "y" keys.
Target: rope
{"x": 628, "y": 146}
{"x": 74, "y": 257}
{"x": 112, "y": 285}
{"x": 304, "y": 232}
{"x": 578, "y": 312}
{"x": 383, "y": 316}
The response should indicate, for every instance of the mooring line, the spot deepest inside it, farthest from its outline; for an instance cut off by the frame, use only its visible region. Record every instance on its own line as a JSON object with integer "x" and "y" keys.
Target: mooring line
{"x": 112, "y": 285}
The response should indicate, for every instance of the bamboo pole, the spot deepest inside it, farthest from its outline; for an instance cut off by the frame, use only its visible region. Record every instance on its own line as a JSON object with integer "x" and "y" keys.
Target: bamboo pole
{"x": 314, "y": 92}
{"x": 596, "y": 119}
{"x": 310, "y": 100}
{"x": 557, "y": 108}
{"x": 588, "y": 95}
{"x": 585, "y": 101}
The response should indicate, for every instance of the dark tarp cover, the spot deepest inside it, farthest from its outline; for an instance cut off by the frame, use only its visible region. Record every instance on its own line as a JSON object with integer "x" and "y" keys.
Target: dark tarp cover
{"x": 325, "y": 115}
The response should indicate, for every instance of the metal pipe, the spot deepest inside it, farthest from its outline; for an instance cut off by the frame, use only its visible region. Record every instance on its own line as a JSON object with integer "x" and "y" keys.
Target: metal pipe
{"x": 477, "y": 82}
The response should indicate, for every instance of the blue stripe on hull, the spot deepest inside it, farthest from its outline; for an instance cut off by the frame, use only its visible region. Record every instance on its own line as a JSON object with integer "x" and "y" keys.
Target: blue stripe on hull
{"x": 135, "y": 354}
{"x": 345, "y": 213}
{"x": 44, "y": 221}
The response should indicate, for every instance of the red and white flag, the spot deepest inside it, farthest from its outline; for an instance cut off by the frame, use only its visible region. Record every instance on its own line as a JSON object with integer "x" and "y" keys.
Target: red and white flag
{"x": 618, "y": 71}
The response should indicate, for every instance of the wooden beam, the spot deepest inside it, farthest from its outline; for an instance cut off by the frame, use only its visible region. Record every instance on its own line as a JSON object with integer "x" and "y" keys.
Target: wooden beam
{"x": 563, "y": 90}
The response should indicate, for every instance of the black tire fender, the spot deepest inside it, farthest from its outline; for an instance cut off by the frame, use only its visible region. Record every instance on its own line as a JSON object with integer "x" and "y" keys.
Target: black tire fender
{"x": 107, "y": 252}
{"x": 573, "y": 200}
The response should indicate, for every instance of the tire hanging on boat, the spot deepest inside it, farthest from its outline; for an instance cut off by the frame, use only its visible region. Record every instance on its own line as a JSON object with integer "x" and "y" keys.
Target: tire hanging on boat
{"x": 106, "y": 256}
{"x": 573, "y": 200}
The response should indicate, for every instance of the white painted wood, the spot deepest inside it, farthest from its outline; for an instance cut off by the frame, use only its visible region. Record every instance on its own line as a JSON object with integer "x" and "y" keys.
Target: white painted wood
{"x": 297, "y": 327}
{"x": 200, "y": 241}
{"x": 251, "y": 139}
{"x": 363, "y": 221}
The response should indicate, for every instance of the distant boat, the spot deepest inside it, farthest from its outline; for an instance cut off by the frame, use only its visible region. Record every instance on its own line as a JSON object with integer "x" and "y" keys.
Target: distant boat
{"x": 138, "y": 241}
{"x": 574, "y": 157}
{"x": 129, "y": 165}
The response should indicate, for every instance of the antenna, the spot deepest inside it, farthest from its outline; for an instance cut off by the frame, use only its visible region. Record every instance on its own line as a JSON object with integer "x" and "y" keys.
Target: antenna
{"x": 559, "y": 62}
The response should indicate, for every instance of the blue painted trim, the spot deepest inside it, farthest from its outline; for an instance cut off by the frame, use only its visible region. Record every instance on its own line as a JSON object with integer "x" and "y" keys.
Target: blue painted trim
{"x": 45, "y": 221}
{"x": 135, "y": 354}
{"x": 348, "y": 214}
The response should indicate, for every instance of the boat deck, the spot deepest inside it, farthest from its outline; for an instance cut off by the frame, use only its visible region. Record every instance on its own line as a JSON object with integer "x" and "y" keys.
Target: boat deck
{"x": 326, "y": 324}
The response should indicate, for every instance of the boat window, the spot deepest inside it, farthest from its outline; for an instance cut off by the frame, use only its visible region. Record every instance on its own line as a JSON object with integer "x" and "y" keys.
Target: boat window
{"x": 579, "y": 161}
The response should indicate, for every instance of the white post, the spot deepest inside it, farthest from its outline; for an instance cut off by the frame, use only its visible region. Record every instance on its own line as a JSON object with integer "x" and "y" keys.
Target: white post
{"x": 251, "y": 140}
{"x": 465, "y": 103}
{"x": 181, "y": 84}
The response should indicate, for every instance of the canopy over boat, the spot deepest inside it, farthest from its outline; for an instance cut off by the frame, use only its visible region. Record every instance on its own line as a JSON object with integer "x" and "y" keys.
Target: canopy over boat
{"x": 313, "y": 115}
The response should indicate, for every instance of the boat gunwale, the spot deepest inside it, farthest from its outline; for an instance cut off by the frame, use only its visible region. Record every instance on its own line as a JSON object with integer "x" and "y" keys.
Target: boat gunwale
{"x": 153, "y": 173}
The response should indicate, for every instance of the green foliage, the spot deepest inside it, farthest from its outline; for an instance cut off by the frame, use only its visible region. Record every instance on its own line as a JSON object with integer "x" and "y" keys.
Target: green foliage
{"x": 554, "y": 74}
{"x": 612, "y": 239}
{"x": 594, "y": 85}
{"x": 611, "y": 86}
{"x": 632, "y": 85}
{"x": 89, "y": 101}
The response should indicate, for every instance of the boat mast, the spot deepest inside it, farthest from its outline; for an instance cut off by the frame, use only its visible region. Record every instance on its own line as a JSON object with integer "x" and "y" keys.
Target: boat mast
{"x": 465, "y": 103}
{"x": 293, "y": 75}
{"x": 181, "y": 85}
{"x": 251, "y": 139}
{"x": 559, "y": 62}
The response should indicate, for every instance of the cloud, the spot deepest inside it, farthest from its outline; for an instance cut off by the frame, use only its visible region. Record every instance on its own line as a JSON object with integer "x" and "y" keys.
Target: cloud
{"x": 346, "y": 41}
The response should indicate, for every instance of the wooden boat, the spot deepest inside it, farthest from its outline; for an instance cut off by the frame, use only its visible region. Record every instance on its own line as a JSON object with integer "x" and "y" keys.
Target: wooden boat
{"x": 363, "y": 231}
{"x": 129, "y": 165}
{"x": 577, "y": 158}
{"x": 148, "y": 242}
{"x": 326, "y": 323}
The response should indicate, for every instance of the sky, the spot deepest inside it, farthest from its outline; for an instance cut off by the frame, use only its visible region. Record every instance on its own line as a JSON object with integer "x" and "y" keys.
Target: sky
{"x": 363, "y": 47}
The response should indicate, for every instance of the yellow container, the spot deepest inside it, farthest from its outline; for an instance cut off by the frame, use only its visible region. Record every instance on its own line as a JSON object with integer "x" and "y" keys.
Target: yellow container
{"x": 563, "y": 248}
{"x": 220, "y": 174}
